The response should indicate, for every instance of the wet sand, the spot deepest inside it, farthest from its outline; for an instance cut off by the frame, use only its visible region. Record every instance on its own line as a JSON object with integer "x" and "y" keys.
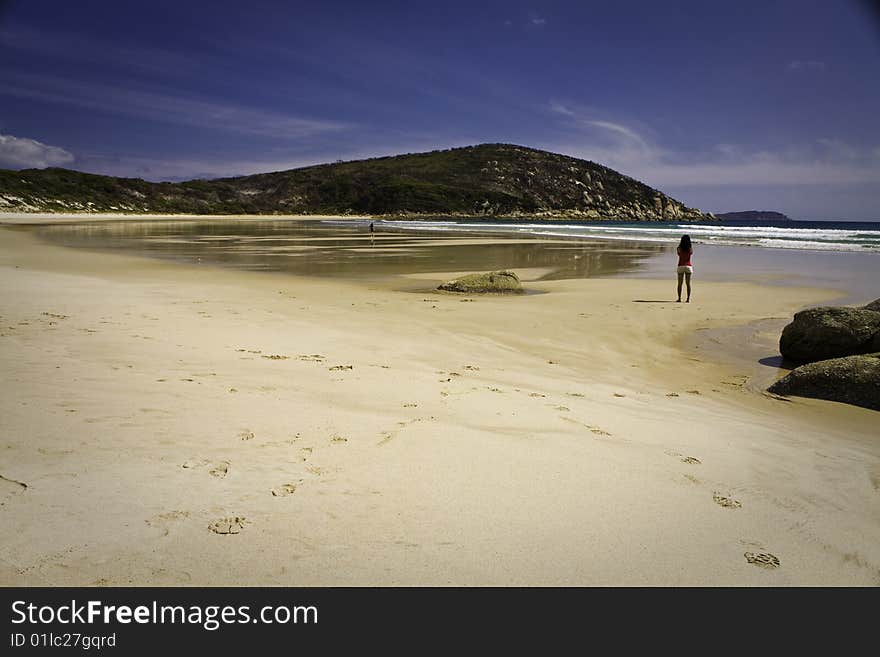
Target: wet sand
{"x": 172, "y": 424}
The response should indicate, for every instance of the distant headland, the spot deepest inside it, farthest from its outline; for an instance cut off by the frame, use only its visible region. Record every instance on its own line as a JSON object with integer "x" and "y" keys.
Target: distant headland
{"x": 753, "y": 215}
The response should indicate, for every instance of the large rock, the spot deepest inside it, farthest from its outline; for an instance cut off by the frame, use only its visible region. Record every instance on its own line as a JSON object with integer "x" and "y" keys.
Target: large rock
{"x": 493, "y": 281}
{"x": 821, "y": 333}
{"x": 874, "y": 305}
{"x": 851, "y": 380}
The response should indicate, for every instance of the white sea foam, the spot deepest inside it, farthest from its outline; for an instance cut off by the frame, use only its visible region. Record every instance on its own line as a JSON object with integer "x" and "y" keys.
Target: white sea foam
{"x": 820, "y": 239}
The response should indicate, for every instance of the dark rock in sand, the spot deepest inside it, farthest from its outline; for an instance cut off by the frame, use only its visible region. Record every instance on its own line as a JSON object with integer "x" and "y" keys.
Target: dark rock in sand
{"x": 494, "y": 281}
{"x": 822, "y": 333}
{"x": 851, "y": 380}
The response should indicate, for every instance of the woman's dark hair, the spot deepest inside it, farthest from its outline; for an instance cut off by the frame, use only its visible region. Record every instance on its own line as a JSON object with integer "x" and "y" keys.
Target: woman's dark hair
{"x": 685, "y": 244}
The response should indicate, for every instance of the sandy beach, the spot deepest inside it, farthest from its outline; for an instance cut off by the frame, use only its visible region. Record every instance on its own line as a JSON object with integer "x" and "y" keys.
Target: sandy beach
{"x": 171, "y": 424}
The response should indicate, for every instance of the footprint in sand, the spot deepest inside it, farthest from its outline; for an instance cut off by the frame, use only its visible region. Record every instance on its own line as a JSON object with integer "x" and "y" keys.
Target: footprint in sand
{"x": 472, "y": 368}
{"x": 410, "y": 405}
{"x": 340, "y": 368}
{"x": 275, "y": 357}
{"x": 690, "y": 460}
{"x": 217, "y": 470}
{"x": 246, "y": 435}
{"x": 593, "y": 429}
{"x": 313, "y": 358}
{"x": 338, "y": 439}
{"x": 220, "y": 470}
{"x": 232, "y": 525}
{"x": 617, "y": 394}
{"x": 162, "y": 520}
{"x": 762, "y": 560}
{"x": 672, "y": 394}
{"x": 284, "y": 490}
{"x": 726, "y": 502}
{"x": 562, "y": 408}
{"x": 536, "y": 394}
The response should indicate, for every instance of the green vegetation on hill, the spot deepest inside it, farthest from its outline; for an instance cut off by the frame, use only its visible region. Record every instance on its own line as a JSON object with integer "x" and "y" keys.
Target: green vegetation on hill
{"x": 485, "y": 180}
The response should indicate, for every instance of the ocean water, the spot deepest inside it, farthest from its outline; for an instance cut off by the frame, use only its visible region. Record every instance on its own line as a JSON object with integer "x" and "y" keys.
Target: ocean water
{"x": 839, "y": 256}
{"x": 862, "y": 237}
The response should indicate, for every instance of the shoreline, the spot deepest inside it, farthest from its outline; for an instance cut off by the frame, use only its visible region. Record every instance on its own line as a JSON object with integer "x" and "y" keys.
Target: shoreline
{"x": 38, "y": 218}
{"x": 24, "y": 217}
{"x": 374, "y": 437}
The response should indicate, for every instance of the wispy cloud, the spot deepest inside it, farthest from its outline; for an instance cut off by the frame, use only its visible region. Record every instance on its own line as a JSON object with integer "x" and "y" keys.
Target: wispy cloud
{"x": 808, "y": 65}
{"x": 608, "y": 142}
{"x": 559, "y": 108}
{"x": 24, "y": 153}
{"x": 164, "y": 107}
{"x": 132, "y": 58}
{"x": 187, "y": 168}
{"x": 536, "y": 20}
{"x": 824, "y": 161}
{"x": 622, "y": 131}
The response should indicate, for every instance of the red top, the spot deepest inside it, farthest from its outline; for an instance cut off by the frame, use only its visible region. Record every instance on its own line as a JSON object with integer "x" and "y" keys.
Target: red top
{"x": 684, "y": 258}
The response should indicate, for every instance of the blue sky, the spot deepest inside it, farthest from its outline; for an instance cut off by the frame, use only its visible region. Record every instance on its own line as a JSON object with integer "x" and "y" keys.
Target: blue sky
{"x": 724, "y": 105}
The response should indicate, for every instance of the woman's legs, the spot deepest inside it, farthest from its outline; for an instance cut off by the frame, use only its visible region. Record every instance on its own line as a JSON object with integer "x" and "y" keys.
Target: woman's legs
{"x": 687, "y": 278}
{"x": 680, "y": 276}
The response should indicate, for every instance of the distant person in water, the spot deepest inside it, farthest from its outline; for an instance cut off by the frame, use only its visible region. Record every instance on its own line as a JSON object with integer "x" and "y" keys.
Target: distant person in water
{"x": 371, "y": 231}
{"x": 685, "y": 268}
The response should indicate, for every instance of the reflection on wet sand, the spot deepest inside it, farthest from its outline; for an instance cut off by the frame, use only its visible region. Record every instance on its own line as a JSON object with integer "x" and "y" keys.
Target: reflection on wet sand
{"x": 346, "y": 250}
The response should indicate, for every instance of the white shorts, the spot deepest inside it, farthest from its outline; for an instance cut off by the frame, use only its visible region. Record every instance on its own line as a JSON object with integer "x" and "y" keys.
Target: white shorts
{"x": 685, "y": 269}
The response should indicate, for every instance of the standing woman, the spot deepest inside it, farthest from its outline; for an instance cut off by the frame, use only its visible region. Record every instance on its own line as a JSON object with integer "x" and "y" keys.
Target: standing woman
{"x": 685, "y": 268}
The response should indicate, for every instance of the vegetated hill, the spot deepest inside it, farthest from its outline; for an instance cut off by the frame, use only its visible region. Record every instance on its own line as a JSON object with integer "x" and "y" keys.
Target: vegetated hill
{"x": 486, "y": 180}
{"x": 753, "y": 215}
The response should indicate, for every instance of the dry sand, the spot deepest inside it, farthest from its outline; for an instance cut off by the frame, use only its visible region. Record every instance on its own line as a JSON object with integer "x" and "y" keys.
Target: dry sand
{"x": 340, "y": 434}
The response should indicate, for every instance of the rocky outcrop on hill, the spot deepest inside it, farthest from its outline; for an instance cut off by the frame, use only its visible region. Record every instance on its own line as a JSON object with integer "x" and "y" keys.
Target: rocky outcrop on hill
{"x": 489, "y": 180}
{"x": 831, "y": 332}
{"x": 503, "y": 282}
{"x": 851, "y": 380}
